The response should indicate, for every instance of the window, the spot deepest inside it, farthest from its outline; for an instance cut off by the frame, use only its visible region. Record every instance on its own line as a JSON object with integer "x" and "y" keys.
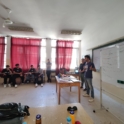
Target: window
{"x": 5, "y": 52}
{"x": 43, "y": 54}
{"x": 53, "y": 54}
{"x": 75, "y": 58}
{"x": 75, "y": 55}
{"x": 53, "y": 43}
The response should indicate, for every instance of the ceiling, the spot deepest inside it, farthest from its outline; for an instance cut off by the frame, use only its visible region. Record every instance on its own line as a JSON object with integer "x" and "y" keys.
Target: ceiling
{"x": 49, "y": 17}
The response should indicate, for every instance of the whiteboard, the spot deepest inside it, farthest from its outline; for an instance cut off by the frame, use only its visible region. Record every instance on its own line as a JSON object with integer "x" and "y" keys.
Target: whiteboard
{"x": 112, "y": 64}
{"x": 96, "y": 56}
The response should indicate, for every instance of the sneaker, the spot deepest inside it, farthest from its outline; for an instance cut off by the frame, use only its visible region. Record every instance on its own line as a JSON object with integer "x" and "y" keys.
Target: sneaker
{"x": 41, "y": 85}
{"x": 9, "y": 85}
{"x": 85, "y": 95}
{"x": 36, "y": 85}
{"x": 91, "y": 100}
{"x": 16, "y": 86}
{"x": 4, "y": 85}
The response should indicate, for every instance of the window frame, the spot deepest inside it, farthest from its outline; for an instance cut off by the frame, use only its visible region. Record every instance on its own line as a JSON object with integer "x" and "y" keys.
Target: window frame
{"x": 5, "y": 53}
{"x": 43, "y": 46}
{"x": 55, "y": 54}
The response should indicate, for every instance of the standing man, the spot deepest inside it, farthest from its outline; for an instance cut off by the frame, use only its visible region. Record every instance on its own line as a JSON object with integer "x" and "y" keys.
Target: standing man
{"x": 89, "y": 67}
{"x": 17, "y": 72}
{"x": 81, "y": 70}
{"x": 48, "y": 70}
{"x": 7, "y": 74}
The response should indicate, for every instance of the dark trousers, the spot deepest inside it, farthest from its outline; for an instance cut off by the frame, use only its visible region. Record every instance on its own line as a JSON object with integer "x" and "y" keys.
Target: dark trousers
{"x": 17, "y": 76}
{"x": 82, "y": 79}
{"x": 7, "y": 77}
{"x": 86, "y": 83}
{"x": 30, "y": 77}
{"x": 39, "y": 79}
{"x": 90, "y": 87}
{"x": 48, "y": 72}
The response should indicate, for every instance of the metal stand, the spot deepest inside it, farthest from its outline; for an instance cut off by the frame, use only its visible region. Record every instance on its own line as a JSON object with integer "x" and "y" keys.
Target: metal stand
{"x": 101, "y": 106}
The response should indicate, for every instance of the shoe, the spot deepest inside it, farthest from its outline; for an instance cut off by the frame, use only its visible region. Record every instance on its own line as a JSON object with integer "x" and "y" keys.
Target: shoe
{"x": 36, "y": 85}
{"x": 16, "y": 86}
{"x": 4, "y": 85}
{"x": 85, "y": 95}
{"x": 81, "y": 87}
{"x": 85, "y": 89}
{"x": 9, "y": 85}
{"x": 41, "y": 85}
{"x": 91, "y": 100}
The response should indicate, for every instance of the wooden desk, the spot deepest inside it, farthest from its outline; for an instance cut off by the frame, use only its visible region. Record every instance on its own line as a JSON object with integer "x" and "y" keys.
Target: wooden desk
{"x": 58, "y": 114}
{"x": 59, "y": 85}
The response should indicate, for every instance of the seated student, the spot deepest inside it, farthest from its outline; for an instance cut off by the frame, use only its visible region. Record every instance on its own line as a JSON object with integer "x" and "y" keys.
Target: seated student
{"x": 39, "y": 76}
{"x": 62, "y": 72}
{"x": 7, "y": 74}
{"x": 30, "y": 74}
{"x": 17, "y": 72}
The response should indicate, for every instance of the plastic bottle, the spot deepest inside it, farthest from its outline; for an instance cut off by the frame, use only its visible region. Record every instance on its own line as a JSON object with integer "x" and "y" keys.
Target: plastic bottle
{"x": 68, "y": 120}
{"x": 24, "y": 123}
{"x": 72, "y": 117}
{"x": 38, "y": 119}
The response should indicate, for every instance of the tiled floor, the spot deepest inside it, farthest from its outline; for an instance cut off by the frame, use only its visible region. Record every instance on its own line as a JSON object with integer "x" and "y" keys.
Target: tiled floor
{"x": 27, "y": 94}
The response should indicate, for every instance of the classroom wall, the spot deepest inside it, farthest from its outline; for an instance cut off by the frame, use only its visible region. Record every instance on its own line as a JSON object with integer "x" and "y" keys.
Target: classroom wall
{"x": 99, "y": 34}
{"x": 99, "y": 40}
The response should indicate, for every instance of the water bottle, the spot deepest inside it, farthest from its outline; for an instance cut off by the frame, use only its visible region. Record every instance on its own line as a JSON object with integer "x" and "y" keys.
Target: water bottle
{"x": 38, "y": 119}
{"x": 24, "y": 123}
{"x": 72, "y": 116}
{"x": 68, "y": 120}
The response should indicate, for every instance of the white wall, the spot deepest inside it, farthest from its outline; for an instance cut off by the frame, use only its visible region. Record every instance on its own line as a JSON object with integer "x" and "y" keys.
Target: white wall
{"x": 100, "y": 33}
{"x": 104, "y": 27}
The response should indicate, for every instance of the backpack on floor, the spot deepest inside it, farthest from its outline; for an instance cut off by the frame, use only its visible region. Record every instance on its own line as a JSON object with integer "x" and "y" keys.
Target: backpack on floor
{"x": 18, "y": 120}
{"x": 13, "y": 110}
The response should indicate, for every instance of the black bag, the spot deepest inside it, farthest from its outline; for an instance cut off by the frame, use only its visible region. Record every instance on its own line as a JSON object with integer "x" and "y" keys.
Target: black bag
{"x": 13, "y": 110}
{"x": 18, "y": 120}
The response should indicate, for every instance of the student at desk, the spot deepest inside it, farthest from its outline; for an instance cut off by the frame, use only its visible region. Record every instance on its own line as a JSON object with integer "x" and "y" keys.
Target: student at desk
{"x": 62, "y": 72}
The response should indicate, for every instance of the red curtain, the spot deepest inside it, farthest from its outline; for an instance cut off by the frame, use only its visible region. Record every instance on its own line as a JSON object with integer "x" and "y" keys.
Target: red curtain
{"x": 2, "y": 49}
{"x": 25, "y": 52}
{"x": 64, "y": 54}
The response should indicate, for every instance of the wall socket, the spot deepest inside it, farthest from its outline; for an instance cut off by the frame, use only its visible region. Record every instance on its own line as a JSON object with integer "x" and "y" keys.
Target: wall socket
{"x": 120, "y": 81}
